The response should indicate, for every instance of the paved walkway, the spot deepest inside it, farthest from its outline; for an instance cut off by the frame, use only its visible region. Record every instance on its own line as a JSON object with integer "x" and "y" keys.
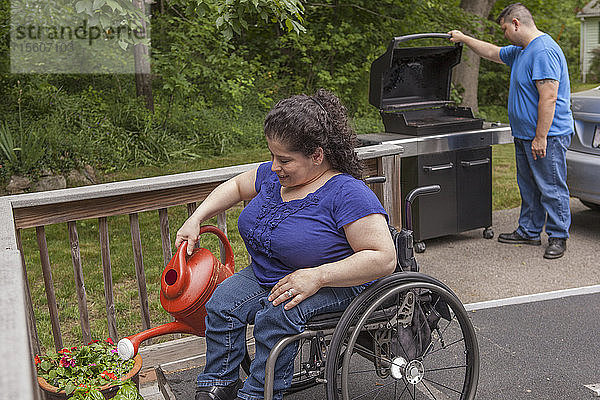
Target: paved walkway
{"x": 478, "y": 269}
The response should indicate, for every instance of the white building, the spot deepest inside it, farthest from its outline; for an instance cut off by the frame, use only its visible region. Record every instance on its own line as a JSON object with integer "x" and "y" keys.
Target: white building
{"x": 590, "y": 34}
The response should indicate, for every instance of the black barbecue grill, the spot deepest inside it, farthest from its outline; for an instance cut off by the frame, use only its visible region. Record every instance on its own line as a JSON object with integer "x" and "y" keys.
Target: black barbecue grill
{"x": 411, "y": 88}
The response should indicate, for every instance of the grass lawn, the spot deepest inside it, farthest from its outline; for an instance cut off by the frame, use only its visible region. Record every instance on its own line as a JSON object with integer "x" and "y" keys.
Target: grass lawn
{"x": 125, "y": 287}
{"x": 505, "y": 195}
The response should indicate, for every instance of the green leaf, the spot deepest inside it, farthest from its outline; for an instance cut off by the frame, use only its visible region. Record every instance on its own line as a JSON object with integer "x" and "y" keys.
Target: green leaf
{"x": 236, "y": 27}
{"x": 81, "y": 6}
{"x": 95, "y": 394}
{"x": 98, "y": 4}
{"x": 114, "y": 5}
{"x": 289, "y": 25}
{"x": 45, "y": 365}
{"x": 78, "y": 396}
{"x": 93, "y": 20}
{"x": 123, "y": 45}
{"x": 128, "y": 392}
{"x": 228, "y": 33}
{"x": 298, "y": 27}
{"x": 219, "y": 22}
{"x": 69, "y": 388}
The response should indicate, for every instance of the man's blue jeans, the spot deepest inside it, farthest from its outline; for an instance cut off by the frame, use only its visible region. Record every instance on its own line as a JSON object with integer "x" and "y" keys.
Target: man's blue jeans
{"x": 240, "y": 300}
{"x": 543, "y": 187}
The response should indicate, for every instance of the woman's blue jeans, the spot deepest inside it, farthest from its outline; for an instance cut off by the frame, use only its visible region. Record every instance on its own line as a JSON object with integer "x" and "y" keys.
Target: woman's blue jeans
{"x": 240, "y": 300}
{"x": 543, "y": 187}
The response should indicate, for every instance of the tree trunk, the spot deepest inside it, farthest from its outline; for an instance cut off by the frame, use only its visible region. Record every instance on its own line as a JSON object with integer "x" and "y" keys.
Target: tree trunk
{"x": 141, "y": 57}
{"x": 466, "y": 74}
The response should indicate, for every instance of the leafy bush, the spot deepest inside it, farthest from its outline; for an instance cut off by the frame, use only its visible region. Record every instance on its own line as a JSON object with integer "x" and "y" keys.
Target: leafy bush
{"x": 211, "y": 94}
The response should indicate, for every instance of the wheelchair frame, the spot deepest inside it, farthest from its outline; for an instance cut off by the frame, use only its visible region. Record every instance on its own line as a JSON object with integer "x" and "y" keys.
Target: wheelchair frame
{"x": 370, "y": 329}
{"x": 407, "y": 375}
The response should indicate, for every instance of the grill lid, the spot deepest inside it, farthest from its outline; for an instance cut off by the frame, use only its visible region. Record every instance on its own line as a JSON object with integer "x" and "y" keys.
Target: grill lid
{"x": 413, "y": 77}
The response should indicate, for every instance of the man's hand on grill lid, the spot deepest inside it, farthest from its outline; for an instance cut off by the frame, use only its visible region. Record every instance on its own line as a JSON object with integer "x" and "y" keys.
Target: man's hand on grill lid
{"x": 456, "y": 36}
{"x": 481, "y": 48}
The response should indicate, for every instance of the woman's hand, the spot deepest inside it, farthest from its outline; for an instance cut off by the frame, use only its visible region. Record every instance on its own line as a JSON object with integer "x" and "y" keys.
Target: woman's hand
{"x": 295, "y": 287}
{"x": 224, "y": 196}
{"x": 190, "y": 230}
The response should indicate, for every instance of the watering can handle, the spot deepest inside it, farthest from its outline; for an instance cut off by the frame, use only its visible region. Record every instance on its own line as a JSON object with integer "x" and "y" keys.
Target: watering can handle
{"x": 229, "y": 264}
{"x": 181, "y": 278}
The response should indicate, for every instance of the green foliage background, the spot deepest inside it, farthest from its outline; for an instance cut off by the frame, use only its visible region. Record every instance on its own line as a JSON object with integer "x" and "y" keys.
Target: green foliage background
{"x": 216, "y": 72}
{"x": 217, "y": 68}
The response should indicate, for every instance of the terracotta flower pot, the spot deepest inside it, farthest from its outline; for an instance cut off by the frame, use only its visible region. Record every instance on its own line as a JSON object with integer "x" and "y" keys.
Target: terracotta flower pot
{"x": 109, "y": 390}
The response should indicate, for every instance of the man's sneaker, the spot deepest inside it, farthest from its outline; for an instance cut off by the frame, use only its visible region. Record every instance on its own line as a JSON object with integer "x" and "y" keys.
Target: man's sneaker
{"x": 556, "y": 247}
{"x": 515, "y": 238}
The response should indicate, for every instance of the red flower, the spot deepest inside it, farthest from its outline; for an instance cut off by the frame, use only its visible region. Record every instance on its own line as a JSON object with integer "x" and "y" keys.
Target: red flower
{"x": 37, "y": 360}
{"x": 93, "y": 341}
{"x": 64, "y": 351}
{"x": 66, "y": 361}
{"x": 108, "y": 375}
{"x": 73, "y": 348}
{"x": 110, "y": 341}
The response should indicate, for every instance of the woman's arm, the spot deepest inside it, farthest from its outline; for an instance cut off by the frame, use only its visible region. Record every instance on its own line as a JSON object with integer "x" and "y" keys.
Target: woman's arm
{"x": 224, "y": 196}
{"x": 374, "y": 256}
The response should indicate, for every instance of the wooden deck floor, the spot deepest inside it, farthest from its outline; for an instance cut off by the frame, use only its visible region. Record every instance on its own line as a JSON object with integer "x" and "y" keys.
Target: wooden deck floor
{"x": 176, "y": 355}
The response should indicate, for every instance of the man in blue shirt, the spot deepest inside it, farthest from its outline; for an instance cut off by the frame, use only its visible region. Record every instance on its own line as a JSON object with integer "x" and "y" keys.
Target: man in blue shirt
{"x": 541, "y": 122}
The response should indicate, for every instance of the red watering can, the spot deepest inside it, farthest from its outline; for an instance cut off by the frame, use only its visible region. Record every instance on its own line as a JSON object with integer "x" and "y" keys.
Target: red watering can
{"x": 186, "y": 285}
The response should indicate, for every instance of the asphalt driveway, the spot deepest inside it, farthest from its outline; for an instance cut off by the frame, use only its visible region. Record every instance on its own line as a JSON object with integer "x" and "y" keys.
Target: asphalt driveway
{"x": 478, "y": 269}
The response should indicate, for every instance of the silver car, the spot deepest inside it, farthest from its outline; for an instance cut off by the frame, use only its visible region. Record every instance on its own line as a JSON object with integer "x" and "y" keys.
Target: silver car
{"x": 583, "y": 156}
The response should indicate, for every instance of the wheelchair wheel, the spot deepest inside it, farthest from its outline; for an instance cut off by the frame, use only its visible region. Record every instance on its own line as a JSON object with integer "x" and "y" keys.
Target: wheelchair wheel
{"x": 406, "y": 337}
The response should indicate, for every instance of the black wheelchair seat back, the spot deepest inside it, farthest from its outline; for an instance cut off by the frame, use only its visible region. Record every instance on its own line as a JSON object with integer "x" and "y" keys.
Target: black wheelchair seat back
{"x": 405, "y": 255}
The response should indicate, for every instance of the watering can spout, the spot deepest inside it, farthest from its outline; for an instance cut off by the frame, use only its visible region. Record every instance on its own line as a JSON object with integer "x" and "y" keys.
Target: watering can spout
{"x": 128, "y": 346}
{"x": 187, "y": 283}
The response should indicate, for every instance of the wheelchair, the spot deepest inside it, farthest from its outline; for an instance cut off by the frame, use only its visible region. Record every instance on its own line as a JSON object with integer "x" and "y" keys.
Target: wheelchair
{"x": 407, "y": 336}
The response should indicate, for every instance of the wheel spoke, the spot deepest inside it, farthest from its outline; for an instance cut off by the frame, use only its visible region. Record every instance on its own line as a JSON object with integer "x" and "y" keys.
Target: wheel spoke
{"x": 441, "y": 385}
{"x": 448, "y": 324}
{"x": 462, "y": 339}
{"x": 429, "y": 390}
{"x": 445, "y": 368}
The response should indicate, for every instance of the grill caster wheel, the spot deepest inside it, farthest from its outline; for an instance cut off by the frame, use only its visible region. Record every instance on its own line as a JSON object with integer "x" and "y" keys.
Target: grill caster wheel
{"x": 419, "y": 247}
{"x": 488, "y": 233}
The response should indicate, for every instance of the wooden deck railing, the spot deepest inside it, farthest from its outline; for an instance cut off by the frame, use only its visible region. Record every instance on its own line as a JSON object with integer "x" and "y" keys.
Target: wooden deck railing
{"x": 38, "y": 210}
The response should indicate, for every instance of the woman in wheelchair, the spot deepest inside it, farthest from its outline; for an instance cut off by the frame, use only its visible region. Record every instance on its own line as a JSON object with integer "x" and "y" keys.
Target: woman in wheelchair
{"x": 316, "y": 234}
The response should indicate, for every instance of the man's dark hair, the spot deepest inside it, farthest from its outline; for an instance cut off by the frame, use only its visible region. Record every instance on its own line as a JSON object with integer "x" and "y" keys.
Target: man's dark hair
{"x": 518, "y": 11}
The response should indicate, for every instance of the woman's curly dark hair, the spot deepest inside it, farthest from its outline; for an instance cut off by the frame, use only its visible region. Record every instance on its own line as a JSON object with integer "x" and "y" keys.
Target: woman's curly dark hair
{"x": 304, "y": 123}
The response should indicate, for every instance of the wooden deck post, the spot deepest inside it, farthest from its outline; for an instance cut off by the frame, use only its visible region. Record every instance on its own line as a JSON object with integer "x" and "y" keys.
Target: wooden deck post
{"x": 84, "y": 320}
